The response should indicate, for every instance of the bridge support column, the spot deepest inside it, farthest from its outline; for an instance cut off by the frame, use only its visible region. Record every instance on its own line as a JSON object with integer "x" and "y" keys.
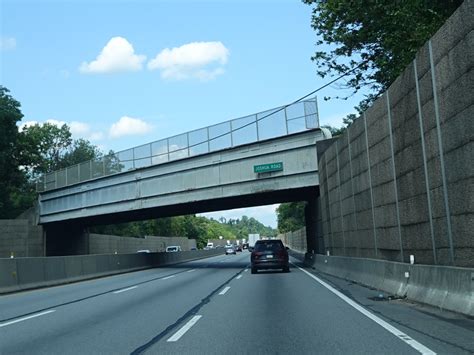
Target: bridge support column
{"x": 314, "y": 238}
{"x": 66, "y": 239}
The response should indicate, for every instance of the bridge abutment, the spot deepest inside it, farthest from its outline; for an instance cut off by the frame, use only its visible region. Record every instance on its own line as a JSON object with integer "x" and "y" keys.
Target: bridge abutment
{"x": 66, "y": 239}
{"x": 314, "y": 235}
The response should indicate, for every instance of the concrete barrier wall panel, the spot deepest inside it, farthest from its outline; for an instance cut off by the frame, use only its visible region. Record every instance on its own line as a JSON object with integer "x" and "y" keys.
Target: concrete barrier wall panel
{"x": 30, "y": 271}
{"x": 73, "y": 267}
{"x": 54, "y": 268}
{"x": 89, "y": 264}
{"x": 450, "y": 288}
{"x": 8, "y": 275}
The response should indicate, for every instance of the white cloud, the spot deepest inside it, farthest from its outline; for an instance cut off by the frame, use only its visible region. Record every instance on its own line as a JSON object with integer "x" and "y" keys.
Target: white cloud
{"x": 126, "y": 126}
{"x": 78, "y": 129}
{"x": 118, "y": 55}
{"x": 96, "y": 136}
{"x": 56, "y": 122}
{"x": 200, "y": 60}
{"x": 26, "y": 124}
{"x": 7, "y": 43}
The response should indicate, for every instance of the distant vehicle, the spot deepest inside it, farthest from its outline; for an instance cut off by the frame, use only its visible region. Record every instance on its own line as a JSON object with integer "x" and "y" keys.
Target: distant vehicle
{"x": 238, "y": 248}
{"x": 269, "y": 254}
{"x": 245, "y": 245}
{"x": 209, "y": 246}
{"x": 252, "y": 239}
{"x": 143, "y": 251}
{"x": 193, "y": 248}
{"x": 173, "y": 249}
{"x": 230, "y": 249}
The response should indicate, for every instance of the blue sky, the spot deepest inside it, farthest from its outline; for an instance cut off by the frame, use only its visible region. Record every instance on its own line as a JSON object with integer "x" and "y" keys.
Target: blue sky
{"x": 124, "y": 73}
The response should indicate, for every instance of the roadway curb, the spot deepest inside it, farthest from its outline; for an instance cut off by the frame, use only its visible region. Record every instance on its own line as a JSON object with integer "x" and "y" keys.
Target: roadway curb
{"x": 445, "y": 287}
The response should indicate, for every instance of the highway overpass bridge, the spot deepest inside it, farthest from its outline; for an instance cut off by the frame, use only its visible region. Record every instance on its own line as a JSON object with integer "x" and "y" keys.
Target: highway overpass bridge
{"x": 188, "y": 174}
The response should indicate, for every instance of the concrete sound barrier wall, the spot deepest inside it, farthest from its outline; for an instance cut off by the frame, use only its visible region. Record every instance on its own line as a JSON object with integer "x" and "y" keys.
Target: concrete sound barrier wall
{"x": 400, "y": 180}
{"x": 20, "y": 274}
{"x": 449, "y": 288}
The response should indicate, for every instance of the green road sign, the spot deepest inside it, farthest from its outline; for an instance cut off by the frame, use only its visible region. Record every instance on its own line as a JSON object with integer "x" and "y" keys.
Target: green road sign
{"x": 266, "y": 168}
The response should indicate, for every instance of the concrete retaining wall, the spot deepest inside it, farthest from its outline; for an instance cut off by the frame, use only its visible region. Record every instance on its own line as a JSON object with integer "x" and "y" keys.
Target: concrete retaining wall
{"x": 104, "y": 244}
{"x": 19, "y": 274}
{"x": 18, "y": 237}
{"x": 23, "y": 238}
{"x": 400, "y": 180}
{"x": 295, "y": 240}
{"x": 449, "y": 288}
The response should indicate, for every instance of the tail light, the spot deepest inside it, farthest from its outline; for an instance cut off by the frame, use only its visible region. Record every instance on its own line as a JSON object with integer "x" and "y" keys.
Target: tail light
{"x": 256, "y": 254}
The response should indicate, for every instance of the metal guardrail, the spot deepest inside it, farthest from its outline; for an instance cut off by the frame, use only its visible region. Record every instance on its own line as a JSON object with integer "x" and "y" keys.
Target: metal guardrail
{"x": 276, "y": 122}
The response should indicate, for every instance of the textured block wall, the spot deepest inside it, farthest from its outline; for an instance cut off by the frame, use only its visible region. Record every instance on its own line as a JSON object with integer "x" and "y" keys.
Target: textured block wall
{"x": 295, "y": 240}
{"x": 20, "y": 238}
{"x": 400, "y": 180}
{"x": 109, "y": 244}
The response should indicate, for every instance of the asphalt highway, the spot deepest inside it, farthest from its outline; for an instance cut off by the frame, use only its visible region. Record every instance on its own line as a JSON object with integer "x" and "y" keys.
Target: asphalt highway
{"x": 216, "y": 306}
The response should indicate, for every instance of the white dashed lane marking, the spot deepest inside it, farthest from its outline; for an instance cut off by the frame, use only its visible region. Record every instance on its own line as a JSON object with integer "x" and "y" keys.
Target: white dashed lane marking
{"x": 26, "y": 318}
{"x": 184, "y": 329}
{"x": 125, "y": 289}
{"x": 224, "y": 290}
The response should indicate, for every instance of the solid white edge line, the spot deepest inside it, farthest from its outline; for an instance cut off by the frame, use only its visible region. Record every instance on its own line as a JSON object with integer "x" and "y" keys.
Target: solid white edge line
{"x": 125, "y": 289}
{"x": 168, "y": 277}
{"x": 246, "y": 270}
{"x": 184, "y": 329}
{"x": 224, "y": 290}
{"x": 191, "y": 270}
{"x": 26, "y": 318}
{"x": 398, "y": 333}
{"x": 238, "y": 277}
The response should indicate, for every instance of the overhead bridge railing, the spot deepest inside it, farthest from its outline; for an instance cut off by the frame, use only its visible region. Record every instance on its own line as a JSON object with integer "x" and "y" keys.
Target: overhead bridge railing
{"x": 273, "y": 123}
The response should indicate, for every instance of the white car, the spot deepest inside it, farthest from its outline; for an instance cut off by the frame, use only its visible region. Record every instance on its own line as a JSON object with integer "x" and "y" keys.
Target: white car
{"x": 230, "y": 249}
{"x": 173, "y": 249}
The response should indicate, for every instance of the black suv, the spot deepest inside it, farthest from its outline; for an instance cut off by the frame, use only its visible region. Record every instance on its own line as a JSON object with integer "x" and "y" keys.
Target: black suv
{"x": 269, "y": 254}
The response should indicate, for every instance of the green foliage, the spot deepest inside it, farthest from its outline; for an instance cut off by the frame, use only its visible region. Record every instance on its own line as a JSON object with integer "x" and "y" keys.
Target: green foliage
{"x": 80, "y": 151}
{"x": 42, "y": 148}
{"x": 291, "y": 216}
{"x": 376, "y": 39}
{"x": 10, "y": 176}
{"x": 36, "y": 150}
{"x": 46, "y": 148}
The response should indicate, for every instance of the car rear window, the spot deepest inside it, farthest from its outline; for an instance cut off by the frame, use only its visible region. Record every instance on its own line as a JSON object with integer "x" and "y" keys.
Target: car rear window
{"x": 272, "y": 245}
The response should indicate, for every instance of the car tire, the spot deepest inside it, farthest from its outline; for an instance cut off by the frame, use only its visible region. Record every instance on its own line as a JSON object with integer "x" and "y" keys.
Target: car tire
{"x": 253, "y": 270}
{"x": 286, "y": 269}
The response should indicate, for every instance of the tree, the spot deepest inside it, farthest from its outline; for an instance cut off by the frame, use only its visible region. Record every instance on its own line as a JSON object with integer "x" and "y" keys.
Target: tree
{"x": 42, "y": 148}
{"x": 80, "y": 151}
{"x": 46, "y": 147}
{"x": 375, "y": 40}
{"x": 11, "y": 177}
{"x": 291, "y": 216}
